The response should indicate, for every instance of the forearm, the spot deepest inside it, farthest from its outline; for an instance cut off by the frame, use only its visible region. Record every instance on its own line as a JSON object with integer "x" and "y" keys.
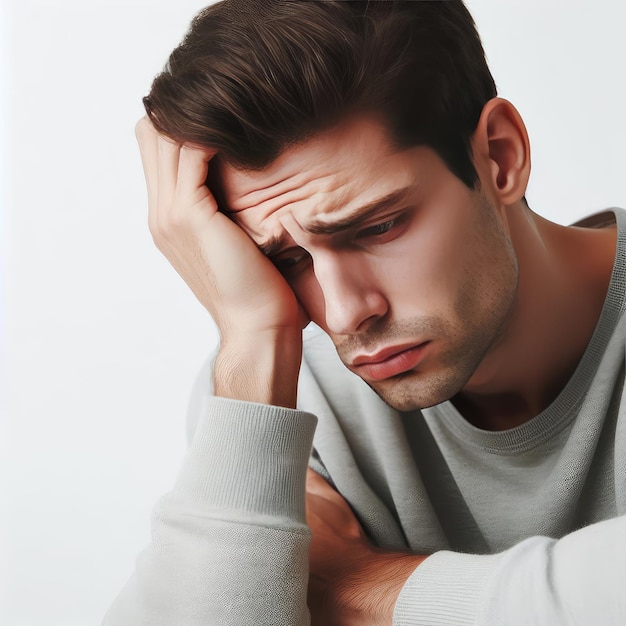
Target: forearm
{"x": 260, "y": 367}
{"x": 577, "y": 579}
{"x": 541, "y": 581}
{"x": 229, "y": 543}
{"x": 352, "y": 582}
{"x": 369, "y": 592}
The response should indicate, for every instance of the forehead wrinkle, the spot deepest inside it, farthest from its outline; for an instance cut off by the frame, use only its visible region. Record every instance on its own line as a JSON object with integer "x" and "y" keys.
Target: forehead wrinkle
{"x": 275, "y": 243}
{"x": 248, "y": 198}
{"x": 392, "y": 200}
{"x": 268, "y": 245}
{"x": 280, "y": 193}
{"x": 253, "y": 222}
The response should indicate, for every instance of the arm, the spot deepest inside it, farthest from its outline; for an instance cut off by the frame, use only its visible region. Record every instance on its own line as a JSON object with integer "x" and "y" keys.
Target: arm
{"x": 257, "y": 314}
{"x": 229, "y": 543}
{"x": 578, "y": 579}
{"x": 575, "y": 580}
{"x": 351, "y": 582}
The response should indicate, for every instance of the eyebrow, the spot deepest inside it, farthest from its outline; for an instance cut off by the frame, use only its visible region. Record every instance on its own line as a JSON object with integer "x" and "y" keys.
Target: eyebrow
{"x": 356, "y": 217}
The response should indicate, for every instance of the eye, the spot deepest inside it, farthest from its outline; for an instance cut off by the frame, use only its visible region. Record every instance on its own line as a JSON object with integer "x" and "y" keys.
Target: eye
{"x": 292, "y": 261}
{"x": 378, "y": 229}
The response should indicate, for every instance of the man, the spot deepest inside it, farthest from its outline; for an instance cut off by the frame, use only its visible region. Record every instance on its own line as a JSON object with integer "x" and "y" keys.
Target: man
{"x": 349, "y": 164}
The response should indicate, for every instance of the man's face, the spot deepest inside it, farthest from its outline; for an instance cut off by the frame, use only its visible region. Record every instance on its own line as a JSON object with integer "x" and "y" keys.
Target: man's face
{"x": 410, "y": 273}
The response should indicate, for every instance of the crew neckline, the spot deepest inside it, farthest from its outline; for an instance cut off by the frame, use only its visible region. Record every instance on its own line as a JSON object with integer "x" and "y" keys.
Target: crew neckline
{"x": 564, "y": 407}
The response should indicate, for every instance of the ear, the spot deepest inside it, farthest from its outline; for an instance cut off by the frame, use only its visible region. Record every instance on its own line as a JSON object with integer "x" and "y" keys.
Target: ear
{"x": 502, "y": 151}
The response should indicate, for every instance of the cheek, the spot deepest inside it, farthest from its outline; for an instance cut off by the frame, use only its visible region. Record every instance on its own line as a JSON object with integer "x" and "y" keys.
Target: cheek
{"x": 423, "y": 273}
{"x": 426, "y": 269}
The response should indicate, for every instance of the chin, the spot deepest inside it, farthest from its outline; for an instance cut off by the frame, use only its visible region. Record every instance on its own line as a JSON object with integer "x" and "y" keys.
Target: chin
{"x": 413, "y": 391}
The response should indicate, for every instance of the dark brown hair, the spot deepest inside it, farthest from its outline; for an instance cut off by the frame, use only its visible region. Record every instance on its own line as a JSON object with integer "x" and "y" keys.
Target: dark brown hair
{"x": 254, "y": 76}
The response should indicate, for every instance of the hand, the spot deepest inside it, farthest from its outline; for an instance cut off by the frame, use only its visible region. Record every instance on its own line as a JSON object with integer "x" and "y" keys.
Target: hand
{"x": 256, "y": 311}
{"x": 351, "y": 582}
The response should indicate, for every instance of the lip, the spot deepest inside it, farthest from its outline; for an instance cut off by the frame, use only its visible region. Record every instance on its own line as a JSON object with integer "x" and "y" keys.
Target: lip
{"x": 389, "y": 362}
{"x": 382, "y": 355}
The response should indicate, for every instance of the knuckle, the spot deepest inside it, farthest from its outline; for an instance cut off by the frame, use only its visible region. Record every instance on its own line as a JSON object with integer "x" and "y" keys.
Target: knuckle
{"x": 157, "y": 241}
{"x": 152, "y": 224}
{"x": 140, "y": 128}
{"x": 167, "y": 226}
{"x": 161, "y": 239}
{"x": 156, "y": 232}
{"x": 174, "y": 219}
{"x": 143, "y": 129}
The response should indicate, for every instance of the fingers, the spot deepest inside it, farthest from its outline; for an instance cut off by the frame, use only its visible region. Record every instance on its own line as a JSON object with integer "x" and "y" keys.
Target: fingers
{"x": 175, "y": 177}
{"x": 147, "y": 137}
{"x": 168, "y": 165}
{"x": 154, "y": 168}
{"x": 193, "y": 167}
{"x": 318, "y": 486}
{"x": 313, "y": 480}
{"x": 168, "y": 157}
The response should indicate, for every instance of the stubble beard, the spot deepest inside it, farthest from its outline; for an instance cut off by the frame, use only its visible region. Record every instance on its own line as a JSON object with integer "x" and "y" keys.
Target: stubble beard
{"x": 444, "y": 375}
{"x": 483, "y": 306}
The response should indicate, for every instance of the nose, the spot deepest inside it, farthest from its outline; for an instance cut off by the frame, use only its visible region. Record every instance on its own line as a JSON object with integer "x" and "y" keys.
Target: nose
{"x": 353, "y": 297}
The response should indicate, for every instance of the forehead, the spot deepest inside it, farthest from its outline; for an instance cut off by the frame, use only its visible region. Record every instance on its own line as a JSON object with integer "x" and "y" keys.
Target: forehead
{"x": 326, "y": 176}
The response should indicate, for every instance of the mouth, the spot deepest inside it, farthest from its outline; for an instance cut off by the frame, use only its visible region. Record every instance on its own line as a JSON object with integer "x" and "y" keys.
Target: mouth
{"x": 389, "y": 362}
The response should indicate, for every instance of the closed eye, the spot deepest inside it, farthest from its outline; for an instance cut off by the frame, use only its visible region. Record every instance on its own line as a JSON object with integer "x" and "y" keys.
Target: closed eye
{"x": 291, "y": 261}
{"x": 296, "y": 260}
{"x": 384, "y": 231}
{"x": 377, "y": 230}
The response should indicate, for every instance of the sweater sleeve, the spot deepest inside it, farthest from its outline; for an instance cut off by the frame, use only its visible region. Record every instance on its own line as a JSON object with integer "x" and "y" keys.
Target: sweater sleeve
{"x": 578, "y": 579}
{"x": 229, "y": 542}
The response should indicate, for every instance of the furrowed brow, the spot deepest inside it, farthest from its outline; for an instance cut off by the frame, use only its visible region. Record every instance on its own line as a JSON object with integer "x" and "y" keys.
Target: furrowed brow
{"x": 319, "y": 227}
{"x": 358, "y": 216}
{"x": 272, "y": 246}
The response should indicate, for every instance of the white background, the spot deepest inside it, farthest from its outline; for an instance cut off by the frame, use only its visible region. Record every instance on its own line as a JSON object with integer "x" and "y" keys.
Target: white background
{"x": 101, "y": 340}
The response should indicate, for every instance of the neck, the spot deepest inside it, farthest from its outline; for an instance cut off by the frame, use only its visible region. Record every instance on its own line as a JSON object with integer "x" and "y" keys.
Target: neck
{"x": 564, "y": 273}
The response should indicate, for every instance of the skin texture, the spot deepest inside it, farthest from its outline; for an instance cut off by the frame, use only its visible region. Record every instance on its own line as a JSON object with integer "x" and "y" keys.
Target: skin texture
{"x": 435, "y": 266}
{"x": 341, "y": 558}
{"x": 257, "y": 313}
{"x": 502, "y": 301}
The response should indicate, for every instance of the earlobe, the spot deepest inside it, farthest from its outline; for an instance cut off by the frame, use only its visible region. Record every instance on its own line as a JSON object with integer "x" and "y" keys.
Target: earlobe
{"x": 502, "y": 151}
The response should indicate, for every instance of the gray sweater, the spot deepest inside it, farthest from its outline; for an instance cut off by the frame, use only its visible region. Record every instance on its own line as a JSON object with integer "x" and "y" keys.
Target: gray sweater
{"x": 525, "y": 526}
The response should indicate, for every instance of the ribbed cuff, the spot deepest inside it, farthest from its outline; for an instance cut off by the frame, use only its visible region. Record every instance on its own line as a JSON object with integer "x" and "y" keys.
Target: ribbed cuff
{"x": 447, "y": 588}
{"x": 249, "y": 457}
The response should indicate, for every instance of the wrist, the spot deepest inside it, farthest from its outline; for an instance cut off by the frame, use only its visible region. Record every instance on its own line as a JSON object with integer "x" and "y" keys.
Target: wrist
{"x": 368, "y": 593}
{"x": 260, "y": 367}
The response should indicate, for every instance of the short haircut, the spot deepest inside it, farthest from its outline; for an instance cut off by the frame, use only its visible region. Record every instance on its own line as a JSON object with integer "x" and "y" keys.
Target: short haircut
{"x": 252, "y": 77}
